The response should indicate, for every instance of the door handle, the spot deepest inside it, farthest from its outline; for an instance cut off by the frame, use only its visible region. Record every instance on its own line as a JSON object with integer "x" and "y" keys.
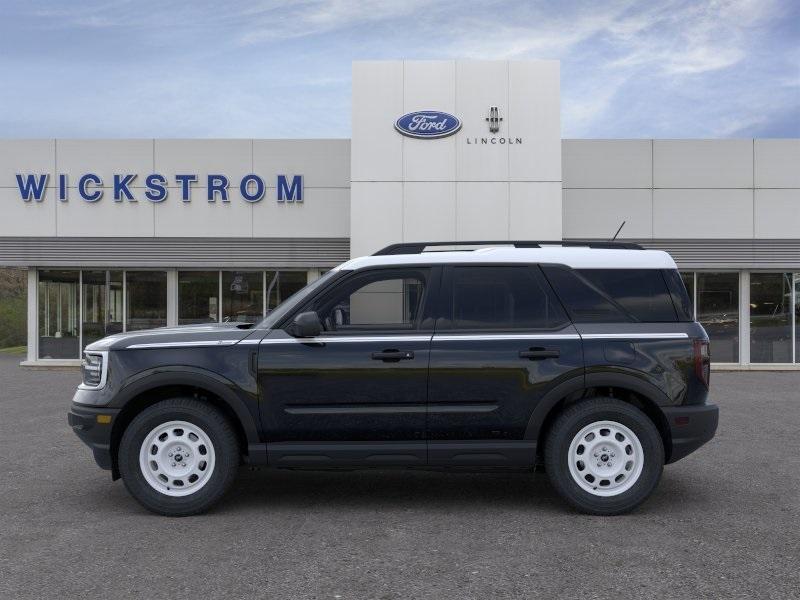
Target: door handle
{"x": 393, "y": 355}
{"x": 539, "y": 353}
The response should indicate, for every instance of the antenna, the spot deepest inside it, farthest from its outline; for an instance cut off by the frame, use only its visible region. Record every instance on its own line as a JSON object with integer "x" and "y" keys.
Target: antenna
{"x": 618, "y": 230}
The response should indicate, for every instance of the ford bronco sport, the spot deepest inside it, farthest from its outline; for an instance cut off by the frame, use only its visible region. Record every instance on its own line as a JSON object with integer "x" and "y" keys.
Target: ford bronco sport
{"x": 579, "y": 357}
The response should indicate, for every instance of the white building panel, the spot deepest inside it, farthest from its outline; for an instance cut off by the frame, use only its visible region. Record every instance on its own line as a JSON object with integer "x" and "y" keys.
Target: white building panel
{"x": 479, "y": 85}
{"x": 438, "y": 202}
{"x": 777, "y": 164}
{"x": 376, "y": 213}
{"x": 482, "y": 210}
{"x": 376, "y": 148}
{"x": 104, "y": 158}
{"x": 607, "y": 163}
{"x": 534, "y": 115}
{"x": 27, "y": 157}
{"x": 777, "y": 213}
{"x": 324, "y": 212}
{"x": 105, "y": 218}
{"x": 702, "y": 214}
{"x": 26, "y": 218}
{"x": 429, "y": 85}
{"x": 703, "y": 163}
{"x": 534, "y": 210}
{"x": 322, "y": 163}
{"x": 597, "y": 214}
{"x": 232, "y": 158}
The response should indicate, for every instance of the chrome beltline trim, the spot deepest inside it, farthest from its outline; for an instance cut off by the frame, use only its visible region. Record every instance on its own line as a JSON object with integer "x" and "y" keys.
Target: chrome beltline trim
{"x": 182, "y": 344}
{"x": 635, "y": 336}
{"x": 472, "y": 337}
{"x": 509, "y": 336}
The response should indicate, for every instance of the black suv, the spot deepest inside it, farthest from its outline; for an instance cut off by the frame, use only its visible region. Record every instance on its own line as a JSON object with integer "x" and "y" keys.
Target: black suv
{"x": 580, "y": 357}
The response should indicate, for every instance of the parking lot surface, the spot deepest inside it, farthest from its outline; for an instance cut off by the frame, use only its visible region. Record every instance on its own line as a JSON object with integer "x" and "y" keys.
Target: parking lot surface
{"x": 724, "y": 522}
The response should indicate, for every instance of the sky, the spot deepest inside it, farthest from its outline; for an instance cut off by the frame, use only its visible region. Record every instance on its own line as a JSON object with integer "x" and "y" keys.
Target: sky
{"x": 268, "y": 69}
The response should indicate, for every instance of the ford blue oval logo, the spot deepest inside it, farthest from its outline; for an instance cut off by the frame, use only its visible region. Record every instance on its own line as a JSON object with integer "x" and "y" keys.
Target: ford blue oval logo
{"x": 427, "y": 124}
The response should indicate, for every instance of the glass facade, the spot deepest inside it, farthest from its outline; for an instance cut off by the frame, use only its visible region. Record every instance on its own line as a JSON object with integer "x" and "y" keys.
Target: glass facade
{"x": 198, "y": 297}
{"x": 243, "y": 296}
{"x": 59, "y": 314}
{"x": 76, "y": 308}
{"x": 770, "y": 317}
{"x": 717, "y": 299}
{"x": 146, "y": 299}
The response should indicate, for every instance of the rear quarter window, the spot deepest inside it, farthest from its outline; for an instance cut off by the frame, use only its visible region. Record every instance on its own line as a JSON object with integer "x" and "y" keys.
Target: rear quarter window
{"x": 614, "y": 295}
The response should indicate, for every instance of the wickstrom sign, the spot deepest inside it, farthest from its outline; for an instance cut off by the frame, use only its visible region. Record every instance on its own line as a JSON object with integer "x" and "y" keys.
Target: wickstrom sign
{"x": 91, "y": 187}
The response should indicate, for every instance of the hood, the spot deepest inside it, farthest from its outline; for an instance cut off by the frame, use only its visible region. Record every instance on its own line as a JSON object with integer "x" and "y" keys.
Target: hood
{"x": 229, "y": 333}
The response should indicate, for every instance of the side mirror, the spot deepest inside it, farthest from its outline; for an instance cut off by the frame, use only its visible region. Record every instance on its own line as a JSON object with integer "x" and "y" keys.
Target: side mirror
{"x": 306, "y": 325}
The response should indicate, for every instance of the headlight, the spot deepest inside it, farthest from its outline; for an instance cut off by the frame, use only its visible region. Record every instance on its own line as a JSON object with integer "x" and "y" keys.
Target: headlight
{"x": 94, "y": 368}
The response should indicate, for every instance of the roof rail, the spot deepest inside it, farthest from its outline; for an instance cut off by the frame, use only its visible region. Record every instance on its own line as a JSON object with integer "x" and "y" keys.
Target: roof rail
{"x": 419, "y": 247}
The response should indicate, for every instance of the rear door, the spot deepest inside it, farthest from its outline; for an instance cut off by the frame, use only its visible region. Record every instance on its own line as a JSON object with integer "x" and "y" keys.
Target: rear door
{"x": 502, "y": 342}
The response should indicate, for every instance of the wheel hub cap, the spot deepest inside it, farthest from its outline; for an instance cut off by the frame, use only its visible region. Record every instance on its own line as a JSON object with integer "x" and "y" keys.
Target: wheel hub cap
{"x": 605, "y": 458}
{"x": 177, "y": 458}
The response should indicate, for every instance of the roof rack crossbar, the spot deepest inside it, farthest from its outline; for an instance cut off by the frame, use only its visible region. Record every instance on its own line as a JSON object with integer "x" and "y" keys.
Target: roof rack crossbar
{"x": 419, "y": 247}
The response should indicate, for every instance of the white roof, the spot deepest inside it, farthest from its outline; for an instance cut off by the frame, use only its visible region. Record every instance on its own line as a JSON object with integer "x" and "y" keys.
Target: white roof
{"x": 577, "y": 257}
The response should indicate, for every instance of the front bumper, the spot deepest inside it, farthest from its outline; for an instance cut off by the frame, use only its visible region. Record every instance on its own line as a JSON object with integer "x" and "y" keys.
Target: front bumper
{"x": 93, "y": 426}
{"x": 690, "y": 427}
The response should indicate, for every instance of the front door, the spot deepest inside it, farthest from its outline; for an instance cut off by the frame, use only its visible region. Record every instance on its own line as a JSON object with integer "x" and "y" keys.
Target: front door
{"x": 356, "y": 393}
{"x": 503, "y": 343}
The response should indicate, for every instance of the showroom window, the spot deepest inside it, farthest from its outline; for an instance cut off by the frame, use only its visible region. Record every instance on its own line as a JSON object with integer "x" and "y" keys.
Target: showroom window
{"x": 717, "y": 309}
{"x": 59, "y": 314}
{"x": 770, "y": 317}
{"x": 146, "y": 299}
{"x": 282, "y": 284}
{"x": 198, "y": 297}
{"x": 101, "y": 308}
{"x": 242, "y": 296}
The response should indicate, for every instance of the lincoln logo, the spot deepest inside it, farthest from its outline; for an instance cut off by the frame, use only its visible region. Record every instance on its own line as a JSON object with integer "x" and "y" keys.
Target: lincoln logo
{"x": 494, "y": 119}
{"x": 427, "y": 124}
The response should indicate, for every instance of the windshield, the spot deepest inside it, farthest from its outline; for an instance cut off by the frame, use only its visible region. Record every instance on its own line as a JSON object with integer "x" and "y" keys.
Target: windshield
{"x": 285, "y": 307}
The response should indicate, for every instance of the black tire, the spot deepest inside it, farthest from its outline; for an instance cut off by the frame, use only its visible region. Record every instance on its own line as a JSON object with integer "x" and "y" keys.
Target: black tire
{"x": 226, "y": 456}
{"x": 570, "y": 422}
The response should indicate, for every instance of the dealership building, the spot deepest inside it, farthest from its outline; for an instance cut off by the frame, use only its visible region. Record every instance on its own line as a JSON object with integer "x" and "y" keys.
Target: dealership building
{"x": 119, "y": 235}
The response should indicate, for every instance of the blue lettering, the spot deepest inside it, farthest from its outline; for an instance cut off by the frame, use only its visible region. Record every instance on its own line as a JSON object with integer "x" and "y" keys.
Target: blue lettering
{"x": 186, "y": 185}
{"x": 290, "y": 193}
{"x": 121, "y": 183}
{"x": 32, "y": 186}
{"x": 62, "y": 187}
{"x": 84, "y": 181}
{"x": 156, "y": 188}
{"x": 217, "y": 183}
{"x": 259, "y": 191}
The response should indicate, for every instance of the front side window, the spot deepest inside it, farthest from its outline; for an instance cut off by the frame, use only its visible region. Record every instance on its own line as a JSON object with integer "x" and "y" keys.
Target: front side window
{"x": 388, "y": 300}
{"x": 503, "y": 298}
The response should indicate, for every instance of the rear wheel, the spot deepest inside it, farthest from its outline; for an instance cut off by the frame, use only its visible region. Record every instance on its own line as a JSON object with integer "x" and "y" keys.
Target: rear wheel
{"x": 178, "y": 457}
{"x": 604, "y": 456}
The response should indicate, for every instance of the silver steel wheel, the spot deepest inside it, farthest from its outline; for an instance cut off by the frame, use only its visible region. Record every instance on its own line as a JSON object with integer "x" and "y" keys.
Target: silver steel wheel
{"x": 605, "y": 458}
{"x": 177, "y": 458}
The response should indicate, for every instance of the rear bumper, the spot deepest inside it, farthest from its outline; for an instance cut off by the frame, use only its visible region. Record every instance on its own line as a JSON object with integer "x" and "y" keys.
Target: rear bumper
{"x": 93, "y": 432}
{"x": 690, "y": 428}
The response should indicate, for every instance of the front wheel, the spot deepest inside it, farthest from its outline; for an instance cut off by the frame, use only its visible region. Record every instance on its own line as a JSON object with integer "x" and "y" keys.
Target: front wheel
{"x": 178, "y": 457}
{"x": 604, "y": 456}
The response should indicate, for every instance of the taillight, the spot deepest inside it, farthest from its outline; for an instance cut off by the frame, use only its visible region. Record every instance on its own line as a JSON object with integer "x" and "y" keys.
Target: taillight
{"x": 702, "y": 361}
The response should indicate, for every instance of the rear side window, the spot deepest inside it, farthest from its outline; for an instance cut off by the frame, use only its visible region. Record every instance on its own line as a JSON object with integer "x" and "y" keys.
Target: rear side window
{"x": 614, "y": 295}
{"x": 680, "y": 295}
{"x": 584, "y": 302}
{"x": 503, "y": 298}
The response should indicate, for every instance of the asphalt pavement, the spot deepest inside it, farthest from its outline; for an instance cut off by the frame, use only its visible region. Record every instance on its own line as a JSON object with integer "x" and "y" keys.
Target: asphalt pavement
{"x": 724, "y": 522}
